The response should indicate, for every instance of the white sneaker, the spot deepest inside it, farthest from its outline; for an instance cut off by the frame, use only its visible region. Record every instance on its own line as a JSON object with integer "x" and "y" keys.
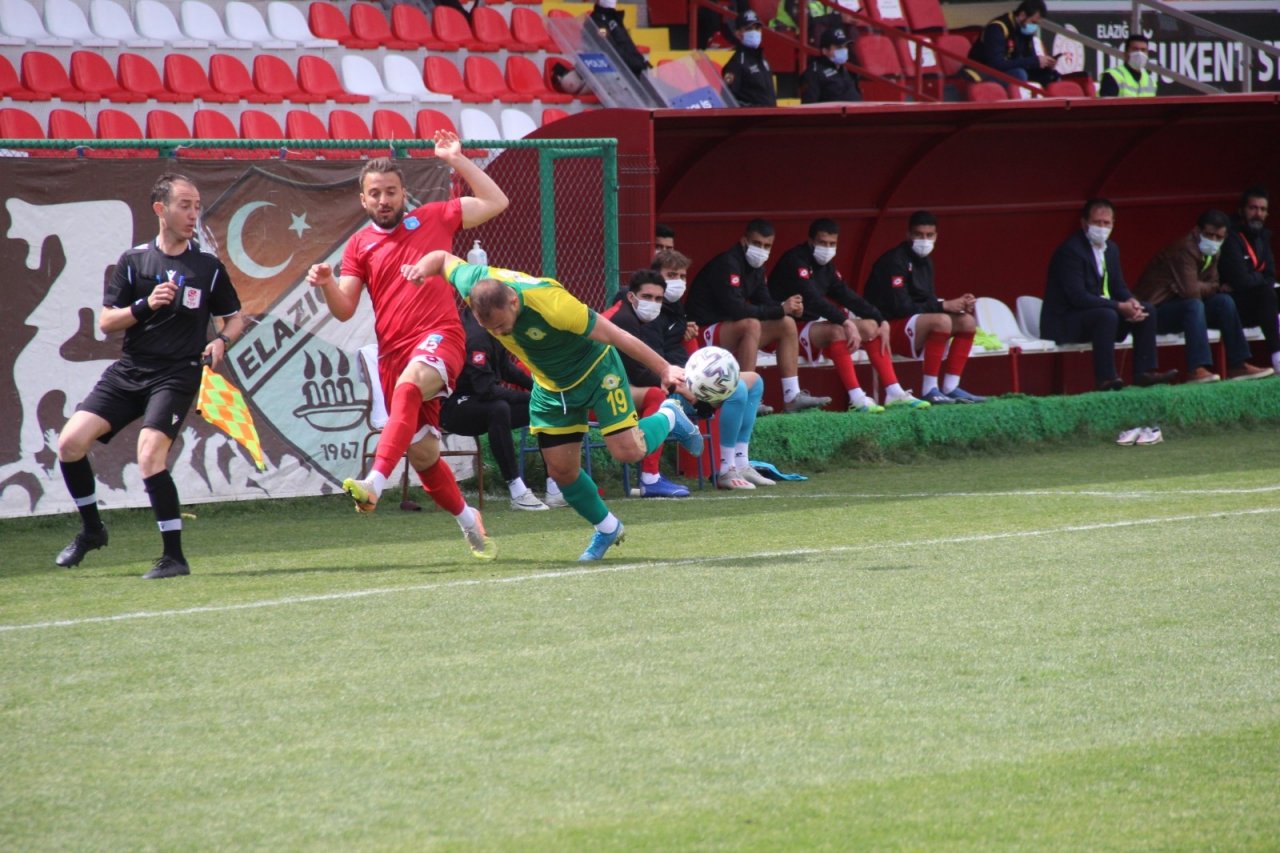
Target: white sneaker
{"x": 1149, "y": 436}
{"x": 731, "y": 480}
{"x": 528, "y": 502}
{"x": 1130, "y": 436}
{"x": 751, "y": 475}
{"x": 555, "y": 501}
{"x": 905, "y": 398}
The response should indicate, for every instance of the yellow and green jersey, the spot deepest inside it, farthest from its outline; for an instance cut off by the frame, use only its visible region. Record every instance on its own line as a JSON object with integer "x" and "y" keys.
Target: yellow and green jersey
{"x": 550, "y": 333}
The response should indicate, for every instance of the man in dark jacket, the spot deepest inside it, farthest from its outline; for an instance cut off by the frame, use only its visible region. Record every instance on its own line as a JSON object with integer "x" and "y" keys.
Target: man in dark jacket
{"x": 1007, "y": 44}
{"x": 609, "y": 20}
{"x": 747, "y": 73}
{"x": 679, "y": 333}
{"x": 1248, "y": 269}
{"x": 1086, "y": 300}
{"x": 826, "y": 78}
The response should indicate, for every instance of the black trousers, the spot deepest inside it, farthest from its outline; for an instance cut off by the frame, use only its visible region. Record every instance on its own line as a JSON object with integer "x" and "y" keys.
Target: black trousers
{"x": 1257, "y": 307}
{"x": 496, "y": 417}
{"x": 1103, "y": 327}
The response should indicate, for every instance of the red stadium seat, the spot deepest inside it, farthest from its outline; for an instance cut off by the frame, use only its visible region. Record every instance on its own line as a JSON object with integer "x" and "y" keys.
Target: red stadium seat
{"x": 43, "y": 73}
{"x": 300, "y": 124}
{"x": 369, "y": 24}
{"x": 391, "y": 125}
{"x": 878, "y": 56}
{"x": 162, "y": 124}
{"x": 490, "y": 27}
{"x": 263, "y": 127}
{"x": 890, "y": 14}
{"x": 66, "y": 124}
{"x": 20, "y": 124}
{"x": 1063, "y": 89}
{"x": 228, "y": 75}
{"x": 552, "y": 114}
{"x": 317, "y": 77}
{"x": 956, "y": 44}
{"x": 186, "y": 76}
{"x": 987, "y": 91}
{"x": 549, "y": 69}
{"x": 523, "y": 77}
{"x": 409, "y": 23}
{"x": 528, "y": 2}
{"x": 925, "y": 16}
{"x": 213, "y": 124}
{"x": 11, "y": 87}
{"x": 482, "y": 76}
{"x": 442, "y": 76}
{"x": 451, "y": 27}
{"x": 527, "y": 27}
{"x": 117, "y": 124}
{"x": 90, "y": 72}
{"x": 344, "y": 124}
{"x": 429, "y": 121}
{"x": 273, "y": 76}
{"x": 137, "y": 74}
{"x": 328, "y": 22}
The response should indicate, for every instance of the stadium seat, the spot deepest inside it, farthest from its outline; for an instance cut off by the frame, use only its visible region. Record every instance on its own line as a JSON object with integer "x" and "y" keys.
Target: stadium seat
{"x": 317, "y": 77}
{"x": 136, "y": 74}
{"x": 67, "y": 124}
{"x": 995, "y": 317}
{"x": 213, "y": 124}
{"x": 451, "y": 27}
{"x": 43, "y": 73}
{"x": 409, "y": 23}
{"x": 110, "y": 20}
{"x": 551, "y": 115}
{"x": 369, "y": 24}
{"x": 20, "y": 124}
{"x": 987, "y": 91}
{"x": 287, "y": 23}
{"x": 516, "y": 124}
{"x": 20, "y": 24}
{"x": 391, "y": 125}
{"x": 491, "y": 28}
{"x": 1063, "y": 89}
{"x": 344, "y": 124}
{"x": 11, "y": 87}
{"x": 300, "y": 124}
{"x": 245, "y": 23}
{"x": 273, "y": 76}
{"x": 442, "y": 76}
{"x": 527, "y": 27}
{"x": 405, "y": 78}
{"x": 64, "y": 19}
{"x": 117, "y": 124}
{"x": 479, "y": 125}
{"x": 227, "y": 74}
{"x": 327, "y": 21}
{"x": 481, "y": 75}
{"x": 551, "y": 65}
{"x": 163, "y": 124}
{"x": 156, "y": 21}
{"x": 878, "y": 56}
{"x": 200, "y": 21}
{"x": 522, "y": 76}
{"x": 184, "y": 75}
{"x": 429, "y": 121}
{"x": 888, "y": 12}
{"x": 90, "y": 72}
{"x": 361, "y": 76}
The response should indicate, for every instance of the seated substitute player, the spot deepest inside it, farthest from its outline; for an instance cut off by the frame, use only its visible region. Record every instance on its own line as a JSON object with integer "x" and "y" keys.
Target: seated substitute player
{"x": 730, "y": 302}
{"x": 901, "y": 286}
{"x": 837, "y": 321}
{"x": 573, "y": 354}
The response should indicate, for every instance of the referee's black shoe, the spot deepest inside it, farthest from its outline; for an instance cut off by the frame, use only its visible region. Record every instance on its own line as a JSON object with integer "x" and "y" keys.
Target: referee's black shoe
{"x": 167, "y": 567}
{"x": 85, "y": 541}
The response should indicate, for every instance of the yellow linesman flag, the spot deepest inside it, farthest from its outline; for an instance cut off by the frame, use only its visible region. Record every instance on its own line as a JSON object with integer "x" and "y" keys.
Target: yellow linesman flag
{"x": 221, "y": 404}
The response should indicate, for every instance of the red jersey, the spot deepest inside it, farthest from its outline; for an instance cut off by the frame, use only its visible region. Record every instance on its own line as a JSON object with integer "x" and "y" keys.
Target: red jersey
{"x": 405, "y": 313}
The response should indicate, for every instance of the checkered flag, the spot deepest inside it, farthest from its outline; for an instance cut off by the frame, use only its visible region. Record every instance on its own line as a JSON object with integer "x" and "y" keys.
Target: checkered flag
{"x": 221, "y": 404}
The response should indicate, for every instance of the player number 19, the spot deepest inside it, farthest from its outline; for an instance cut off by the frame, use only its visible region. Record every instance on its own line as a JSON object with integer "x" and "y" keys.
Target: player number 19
{"x": 618, "y": 401}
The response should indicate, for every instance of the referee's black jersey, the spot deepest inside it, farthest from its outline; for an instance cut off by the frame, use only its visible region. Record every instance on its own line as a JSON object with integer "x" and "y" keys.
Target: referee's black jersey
{"x": 181, "y": 329}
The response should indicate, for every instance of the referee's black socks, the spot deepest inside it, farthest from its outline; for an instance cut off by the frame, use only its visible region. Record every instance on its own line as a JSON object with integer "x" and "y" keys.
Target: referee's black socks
{"x": 164, "y": 502}
{"x": 78, "y": 476}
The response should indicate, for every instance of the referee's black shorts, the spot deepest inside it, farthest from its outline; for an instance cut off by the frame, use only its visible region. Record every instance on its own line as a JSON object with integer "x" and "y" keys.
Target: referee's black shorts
{"x": 159, "y": 393}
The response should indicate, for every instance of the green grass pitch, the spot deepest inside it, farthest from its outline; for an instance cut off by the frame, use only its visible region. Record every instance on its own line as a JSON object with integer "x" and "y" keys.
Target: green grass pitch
{"x": 1066, "y": 648}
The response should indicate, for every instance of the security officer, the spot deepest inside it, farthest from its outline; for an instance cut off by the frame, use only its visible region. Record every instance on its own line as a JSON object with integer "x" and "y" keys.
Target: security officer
{"x": 611, "y": 23}
{"x": 1131, "y": 79}
{"x": 826, "y": 78}
{"x": 1008, "y": 44}
{"x": 747, "y": 73}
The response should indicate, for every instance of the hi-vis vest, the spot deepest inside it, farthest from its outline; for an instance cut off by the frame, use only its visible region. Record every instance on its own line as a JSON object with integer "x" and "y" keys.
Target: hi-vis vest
{"x": 1142, "y": 87}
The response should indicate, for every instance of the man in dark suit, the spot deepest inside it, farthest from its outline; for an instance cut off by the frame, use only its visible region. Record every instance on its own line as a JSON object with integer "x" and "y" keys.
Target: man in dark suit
{"x": 1086, "y": 300}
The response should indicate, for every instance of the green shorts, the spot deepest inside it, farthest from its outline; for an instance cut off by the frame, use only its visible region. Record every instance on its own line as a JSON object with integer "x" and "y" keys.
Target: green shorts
{"x": 604, "y": 392}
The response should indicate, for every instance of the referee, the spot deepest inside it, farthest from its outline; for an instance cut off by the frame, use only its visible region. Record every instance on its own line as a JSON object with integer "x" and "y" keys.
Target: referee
{"x": 161, "y": 295}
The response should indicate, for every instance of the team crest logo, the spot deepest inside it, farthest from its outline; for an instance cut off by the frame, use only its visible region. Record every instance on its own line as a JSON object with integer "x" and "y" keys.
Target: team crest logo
{"x": 899, "y": 281}
{"x": 411, "y": 223}
{"x": 611, "y": 382}
{"x": 478, "y": 358}
{"x": 191, "y": 298}
{"x": 536, "y": 334}
{"x": 735, "y": 280}
{"x": 804, "y": 272}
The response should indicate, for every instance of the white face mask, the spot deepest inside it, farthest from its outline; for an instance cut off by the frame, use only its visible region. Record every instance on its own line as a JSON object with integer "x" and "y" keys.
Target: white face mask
{"x": 1097, "y": 235}
{"x": 757, "y": 256}
{"x": 922, "y": 247}
{"x": 647, "y": 311}
{"x": 1137, "y": 60}
{"x": 751, "y": 39}
{"x": 1208, "y": 247}
{"x": 675, "y": 289}
{"x": 824, "y": 254}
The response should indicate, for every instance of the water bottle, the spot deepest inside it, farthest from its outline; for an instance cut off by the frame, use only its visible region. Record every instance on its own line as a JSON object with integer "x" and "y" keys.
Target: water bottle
{"x": 477, "y": 255}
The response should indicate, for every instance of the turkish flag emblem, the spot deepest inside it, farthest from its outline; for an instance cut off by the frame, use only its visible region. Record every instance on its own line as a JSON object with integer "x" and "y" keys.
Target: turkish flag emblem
{"x": 478, "y": 358}
{"x": 899, "y": 281}
{"x": 735, "y": 281}
{"x": 804, "y": 272}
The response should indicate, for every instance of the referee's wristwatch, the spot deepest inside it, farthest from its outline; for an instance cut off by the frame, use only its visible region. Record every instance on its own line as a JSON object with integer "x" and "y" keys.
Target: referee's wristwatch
{"x": 226, "y": 342}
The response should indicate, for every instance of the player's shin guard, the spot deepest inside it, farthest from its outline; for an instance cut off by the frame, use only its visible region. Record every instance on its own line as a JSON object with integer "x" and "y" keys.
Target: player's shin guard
{"x": 164, "y": 502}
{"x": 584, "y": 496}
{"x": 442, "y": 486}
{"x": 840, "y": 356}
{"x": 396, "y": 436}
{"x": 78, "y": 476}
{"x": 655, "y": 430}
{"x": 652, "y": 400}
{"x": 961, "y": 344}
{"x": 935, "y": 347}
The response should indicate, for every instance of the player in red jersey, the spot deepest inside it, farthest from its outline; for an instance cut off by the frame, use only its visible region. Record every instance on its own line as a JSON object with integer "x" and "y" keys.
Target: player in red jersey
{"x": 421, "y": 343}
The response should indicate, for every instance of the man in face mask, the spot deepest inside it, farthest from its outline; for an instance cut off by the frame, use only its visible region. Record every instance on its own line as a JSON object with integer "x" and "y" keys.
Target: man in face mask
{"x": 747, "y": 73}
{"x": 1008, "y": 44}
{"x": 938, "y": 331}
{"x": 837, "y": 322}
{"x": 1130, "y": 79}
{"x": 731, "y": 304}
{"x": 679, "y": 334}
{"x": 1086, "y": 300}
{"x": 1248, "y": 269}
{"x": 826, "y": 78}
{"x": 1181, "y": 281}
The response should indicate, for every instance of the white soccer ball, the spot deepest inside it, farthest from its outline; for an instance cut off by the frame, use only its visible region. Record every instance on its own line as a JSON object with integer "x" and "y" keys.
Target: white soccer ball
{"x": 711, "y": 374}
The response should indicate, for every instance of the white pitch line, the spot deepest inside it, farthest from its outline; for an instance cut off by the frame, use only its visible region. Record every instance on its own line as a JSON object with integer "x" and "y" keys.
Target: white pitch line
{"x": 1012, "y": 493}
{"x": 629, "y": 567}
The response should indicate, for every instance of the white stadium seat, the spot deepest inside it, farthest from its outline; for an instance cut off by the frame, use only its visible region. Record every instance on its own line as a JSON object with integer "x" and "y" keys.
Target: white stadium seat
{"x": 994, "y": 316}
{"x": 201, "y": 21}
{"x": 517, "y": 124}
{"x": 20, "y": 24}
{"x": 478, "y": 124}
{"x": 245, "y": 22}
{"x": 156, "y": 21}
{"x": 65, "y": 19}
{"x": 404, "y": 77}
{"x": 360, "y": 77}
{"x": 110, "y": 20}
{"x": 287, "y": 23}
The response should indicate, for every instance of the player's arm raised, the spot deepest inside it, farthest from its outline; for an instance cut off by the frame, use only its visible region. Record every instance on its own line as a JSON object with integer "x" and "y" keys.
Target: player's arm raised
{"x": 432, "y": 263}
{"x": 342, "y": 295}
{"x": 606, "y": 332}
{"x": 488, "y": 199}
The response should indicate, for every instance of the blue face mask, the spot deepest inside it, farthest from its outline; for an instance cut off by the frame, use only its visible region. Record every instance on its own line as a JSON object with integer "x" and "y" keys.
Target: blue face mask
{"x": 841, "y": 56}
{"x": 751, "y": 39}
{"x": 1030, "y": 29}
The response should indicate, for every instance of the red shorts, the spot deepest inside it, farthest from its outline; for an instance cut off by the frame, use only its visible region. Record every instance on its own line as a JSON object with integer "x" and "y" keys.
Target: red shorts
{"x": 902, "y": 337}
{"x": 444, "y": 351}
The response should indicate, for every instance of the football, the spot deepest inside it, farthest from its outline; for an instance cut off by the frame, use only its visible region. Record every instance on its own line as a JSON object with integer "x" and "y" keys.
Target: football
{"x": 711, "y": 374}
